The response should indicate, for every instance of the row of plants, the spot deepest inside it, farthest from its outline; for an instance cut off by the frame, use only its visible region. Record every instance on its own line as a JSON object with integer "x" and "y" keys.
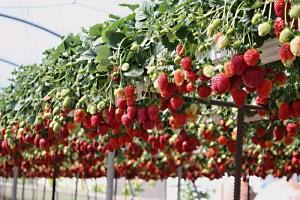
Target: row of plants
{"x": 133, "y": 85}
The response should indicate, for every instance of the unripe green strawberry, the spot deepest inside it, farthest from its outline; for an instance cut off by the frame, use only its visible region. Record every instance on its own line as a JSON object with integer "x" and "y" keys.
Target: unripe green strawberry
{"x": 295, "y": 46}
{"x": 125, "y": 67}
{"x": 177, "y": 59}
{"x": 236, "y": 44}
{"x": 92, "y": 109}
{"x": 257, "y": 4}
{"x": 65, "y": 92}
{"x": 222, "y": 42}
{"x": 286, "y": 35}
{"x": 216, "y": 23}
{"x": 47, "y": 116}
{"x": 230, "y": 31}
{"x": 58, "y": 95}
{"x": 56, "y": 127}
{"x": 256, "y": 19}
{"x": 51, "y": 125}
{"x": 295, "y": 11}
{"x": 264, "y": 29}
{"x": 208, "y": 70}
{"x": 82, "y": 99}
{"x": 56, "y": 118}
{"x": 201, "y": 48}
{"x": 101, "y": 106}
{"x": 56, "y": 110}
{"x": 67, "y": 102}
{"x": 135, "y": 46}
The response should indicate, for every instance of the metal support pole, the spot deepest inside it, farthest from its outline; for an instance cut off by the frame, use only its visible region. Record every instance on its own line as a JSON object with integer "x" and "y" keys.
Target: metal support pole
{"x": 179, "y": 175}
{"x": 116, "y": 188}
{"x": 15, "y": 183}
{"x": 166, "y": 188}
{"x": 76, "y": 187}
{"x": 196, "y": 191}
{"x": 238, "y": 154}
{"x": 96, "y": 186}
{"x": 110, "y": 176}
{"x": 44, "y": 190}
{"x": 23, "y": 189}
{"x": 54, "y": 176}
{"x": 32, "y": 189}
{"x": 248, "y": 188}
{"x": 4, "y": 196}
{"x": 87, "y": 189}
{"x": 131, "y": 190}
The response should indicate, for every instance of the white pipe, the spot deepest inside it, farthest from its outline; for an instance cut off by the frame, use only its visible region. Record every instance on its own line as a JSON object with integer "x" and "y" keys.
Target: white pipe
{"x": 110, "y": 176}
{"x": 15, "y": 184}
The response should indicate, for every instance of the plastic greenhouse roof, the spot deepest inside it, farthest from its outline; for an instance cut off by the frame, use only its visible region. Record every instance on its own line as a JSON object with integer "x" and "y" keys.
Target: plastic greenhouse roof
{"x": 22, "y": 44}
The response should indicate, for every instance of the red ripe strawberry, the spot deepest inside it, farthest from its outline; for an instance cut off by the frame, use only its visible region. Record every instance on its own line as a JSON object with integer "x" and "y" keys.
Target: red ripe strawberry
{"x": 179, "y": 77}
{"x": 191, "y": 76}
{"x": 204, "y": 91}
{"x": 203, "y": 78}
{"x": 121, "y": 103}
{"x": 285, "y": 111}
{"x": 286, "y": 55}
{"x": 278, "y": 26}
{"x": 180, "y": 50}
{"x": 186, "y": 63}
{"x": 292, "y": 129}
{"x": 260, "y": 101}
{"x": 251, "y": 57}
{"x": 264, "y": 89}
{"x": 153, "y": 112}
{"x": 95, "y": 120}
{"x": 162, "y": 81}
{"x": 222, "y": 140}
{"x": 126, "y": 121}
{"x": 236, "y": 81}
{"x": 190, "y": 87}
{"x": 176, "y": 102}
{"x": 238, "y": 64}
{"x": 239, "y": 96}
{"x": 280, "y": 78}
{"x": 131, "y": 111}
{"x": 279, "y": 7}
{"x": 253, "y": 76}
{"x": 87, "y": 122}
{"x": 43, "y": 143}
{"x": 79, "y": 115}
{"x": 278, "y": 133}
{"x": 220, "y": 83}
{"x": 231, "y": 145}
{"x": 102, "y": 129}
{"x": 129, "y": 90}
{"x": 260, "y": 132}
{"x": 296, "y": 108}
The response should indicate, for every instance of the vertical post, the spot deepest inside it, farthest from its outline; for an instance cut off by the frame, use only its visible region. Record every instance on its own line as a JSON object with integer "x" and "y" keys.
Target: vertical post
{"x": 87, "y": 189}
{"x": 248, "y": 188}
{"x": 96, "y": 186}
{"x": 44, "y": 190}
{"x": 54, "y": 176}
{"x": 166, "y": 188}
{"x": 76, "y": 186}
{"x": 131, "y": 190}
{"x": 110, "y": 176}
{"x": 116, "y": 188}
{"x": 238, "y": 154}
{"x": 32, "y": 189}
{"x": 179, "y": 175}
{"x": 23, "y": 189}
{"x": 15, "y": 183}
{"x": 4, "y": 196}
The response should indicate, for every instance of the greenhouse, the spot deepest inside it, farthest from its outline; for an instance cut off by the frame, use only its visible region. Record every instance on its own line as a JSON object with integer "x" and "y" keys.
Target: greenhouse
{"x": 150, "y": 99}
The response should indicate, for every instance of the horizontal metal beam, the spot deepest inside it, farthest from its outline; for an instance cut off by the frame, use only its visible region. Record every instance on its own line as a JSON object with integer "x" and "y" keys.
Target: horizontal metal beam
{"x": 31, "y": 24}
{"x": 8, "y": 62}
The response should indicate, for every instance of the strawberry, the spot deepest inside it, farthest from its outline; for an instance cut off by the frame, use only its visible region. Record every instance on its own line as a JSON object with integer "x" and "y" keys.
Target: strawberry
{"x": 228, "y": 69}
{"x": 95, "y": 120}
{"x": 222, "y": 140}
{"x": 280, "y": 78}
{"x": 153, "y": 112}
{"x": 231, "y": 145}
{"x": 279, "y": 7}
{"x": 264, "y": 29}
{"x": 191, "y": 76}
{"x": 239, "y": 96}
{"x": 253, "y": 76}
{"x": 295, "y": 46}
{"x": 204, "y": 91}
{"x": 251, "y": 57}
{"x": 260, "y": 132}
{"x": 190, "y": 87}
{"x": 162, "y": 81}
{"x": 176, "y": 102}
{"x": 296, "y": 108}
{"x": 236, "y": 81}
{"x": 292, "y": 129}
{"x": 126, "y": 121}
{"x": 102, "y": 129}
{"x": 286, "y": 35}
{"x": 73, "y": 127}
{"x": 180, "y": 50}
{"x": 278, "y": 26}
{"x": 79, "y": 115}
{"x": 286, "y": 55}
{"x": 121, "y": 103}
{"x": 43, "y": 143}
{"x": 295, "y": 11}
{"x": 285, "y": 111}
{"x": 186, "y": 63}
{"x": 278, "y": 133}
{"x": 264, "y": 89}
{"x": 238, "y": 64}
{"x": 129, "y": 91}
{"x": 179, "y": 77}
{"x": 220, "y": 83}
{"x": 131, "y": 112}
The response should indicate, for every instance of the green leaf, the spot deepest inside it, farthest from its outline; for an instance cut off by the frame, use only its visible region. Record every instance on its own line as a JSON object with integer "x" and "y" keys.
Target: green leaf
{"x": 113, "y": 38}
{"x": 132, "y": 7}
{"x": 182, "y": 32}
{"x": 134, "y": 72}
{"x": 103, "y": 55}
{"x": 112, "y": 16}
{"x": 88, "y": 55}
{"x": 96, "y": 30}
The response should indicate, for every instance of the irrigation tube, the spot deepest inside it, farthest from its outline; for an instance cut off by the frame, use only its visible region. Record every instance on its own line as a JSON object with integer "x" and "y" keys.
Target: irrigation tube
{"x": 31, "y": 24}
